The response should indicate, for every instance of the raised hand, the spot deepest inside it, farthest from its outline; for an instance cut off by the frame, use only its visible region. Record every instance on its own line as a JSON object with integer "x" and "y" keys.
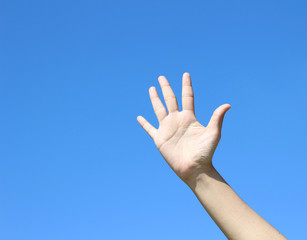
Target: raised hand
{"x": 188, "y": 147}
{"x": 185, "y": 144}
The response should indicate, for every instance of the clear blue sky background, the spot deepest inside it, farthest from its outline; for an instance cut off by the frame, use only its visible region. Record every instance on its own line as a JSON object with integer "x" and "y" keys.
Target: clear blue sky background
{"x": 74, "y": 162}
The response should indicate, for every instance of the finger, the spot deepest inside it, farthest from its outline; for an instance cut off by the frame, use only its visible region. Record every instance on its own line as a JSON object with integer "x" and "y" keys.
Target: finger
{"x": 157, "y": 105}
{"x": 216, "y": 120}
{"x": 168, "y": 94}
{"x": 187, "y": 93}
{"x": 147, "y": 126}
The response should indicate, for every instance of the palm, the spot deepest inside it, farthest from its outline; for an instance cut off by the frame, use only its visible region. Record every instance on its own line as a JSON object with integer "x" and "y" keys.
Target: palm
{"x": 184, "y": 143}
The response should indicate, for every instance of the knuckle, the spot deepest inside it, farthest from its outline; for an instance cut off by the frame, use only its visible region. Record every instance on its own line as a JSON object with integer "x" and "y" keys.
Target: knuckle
{"x": 170, "y": 97}
{"x": 188, "y": 95}
{"x": 153, "y": 97}
{"x": 160, "y": 110}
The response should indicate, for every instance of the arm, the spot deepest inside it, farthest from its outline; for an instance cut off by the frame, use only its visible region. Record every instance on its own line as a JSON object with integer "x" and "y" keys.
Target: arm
{"x": 233, "y": 216}
{"x": 188, "y": 148}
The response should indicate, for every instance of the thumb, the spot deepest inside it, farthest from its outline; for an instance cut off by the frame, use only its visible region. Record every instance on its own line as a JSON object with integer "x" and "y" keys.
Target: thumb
{"x": 216, "y": 120}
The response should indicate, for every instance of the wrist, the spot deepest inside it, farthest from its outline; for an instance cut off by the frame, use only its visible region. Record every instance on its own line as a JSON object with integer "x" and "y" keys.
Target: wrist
{"x": 201, "y": 177}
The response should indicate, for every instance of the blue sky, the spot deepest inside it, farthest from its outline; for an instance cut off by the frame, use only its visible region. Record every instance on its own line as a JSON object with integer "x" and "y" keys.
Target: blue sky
{"x": 74, "y": 75}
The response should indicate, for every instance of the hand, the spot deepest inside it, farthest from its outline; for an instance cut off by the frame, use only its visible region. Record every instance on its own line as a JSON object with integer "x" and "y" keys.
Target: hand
{"x": 185, "y": 144}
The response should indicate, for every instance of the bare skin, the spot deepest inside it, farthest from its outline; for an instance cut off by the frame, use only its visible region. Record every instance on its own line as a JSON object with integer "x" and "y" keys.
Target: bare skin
{"x": 188, "y": 148}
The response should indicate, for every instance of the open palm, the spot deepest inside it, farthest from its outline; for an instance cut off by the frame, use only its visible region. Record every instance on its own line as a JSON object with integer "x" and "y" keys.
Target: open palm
{"x": 185, "y": 144}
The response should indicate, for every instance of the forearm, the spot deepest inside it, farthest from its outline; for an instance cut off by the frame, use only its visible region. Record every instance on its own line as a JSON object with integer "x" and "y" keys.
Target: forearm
{"x": 232, "y": 215}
